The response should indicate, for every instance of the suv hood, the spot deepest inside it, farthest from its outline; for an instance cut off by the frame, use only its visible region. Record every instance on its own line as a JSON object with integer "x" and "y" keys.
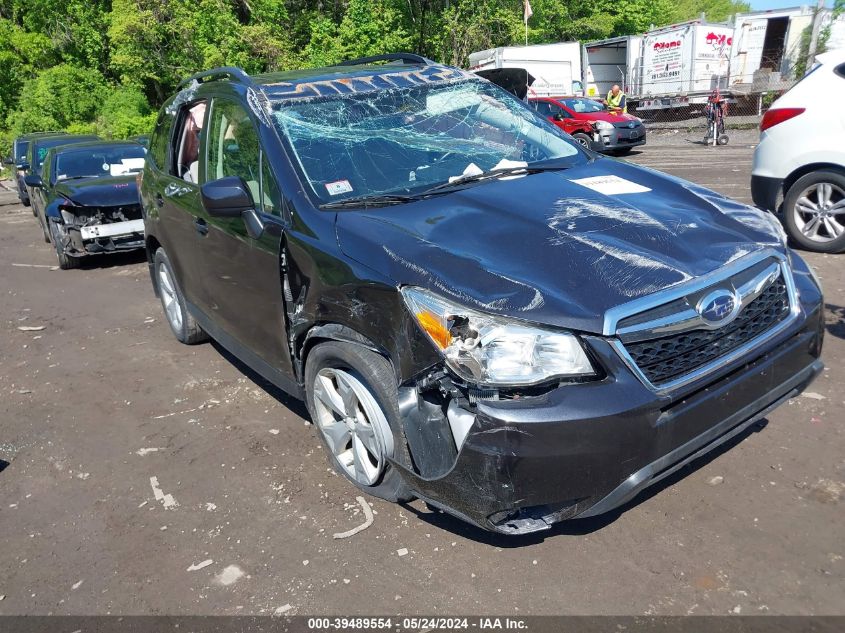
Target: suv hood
{"x": 545, "y": 249}
{"x": 103, "y": 191}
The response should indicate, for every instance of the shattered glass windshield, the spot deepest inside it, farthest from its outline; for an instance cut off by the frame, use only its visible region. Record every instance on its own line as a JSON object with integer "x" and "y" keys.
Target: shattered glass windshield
{"x": 407, "y": 140}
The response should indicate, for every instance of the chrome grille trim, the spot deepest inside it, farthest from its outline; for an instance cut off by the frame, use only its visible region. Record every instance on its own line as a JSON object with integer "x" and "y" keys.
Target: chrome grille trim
{"x": 689, "y": 320}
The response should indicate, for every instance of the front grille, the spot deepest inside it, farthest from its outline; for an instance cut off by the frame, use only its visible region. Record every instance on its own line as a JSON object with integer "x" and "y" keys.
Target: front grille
{"x": 665, "y": 359}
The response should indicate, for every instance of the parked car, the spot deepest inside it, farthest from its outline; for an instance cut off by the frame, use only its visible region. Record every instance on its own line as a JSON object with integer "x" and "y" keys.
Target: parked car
{"x": 517, "y": 81}
{"x": 618, "y": 133}
{"x": 143, "y": 139}
{"x": 799, "y": 164}
{"x": 19, "y": 160}
{"x": 87, "y": 196}
{"x": 35, "y": 154}
{"x": 477, "y": 311}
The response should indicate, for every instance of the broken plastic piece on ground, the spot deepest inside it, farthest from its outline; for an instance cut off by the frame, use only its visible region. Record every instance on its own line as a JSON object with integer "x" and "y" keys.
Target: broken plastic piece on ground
{"x": 368, "y": 516}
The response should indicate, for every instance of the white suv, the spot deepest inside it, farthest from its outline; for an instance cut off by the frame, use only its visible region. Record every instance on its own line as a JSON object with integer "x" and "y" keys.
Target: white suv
{"x": 801, "y": 157}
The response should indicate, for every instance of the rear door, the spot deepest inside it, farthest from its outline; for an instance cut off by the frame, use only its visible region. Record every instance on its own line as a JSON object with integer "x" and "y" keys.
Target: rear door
{"x": 242, "y": 284}
{"x": 177, "y": 197}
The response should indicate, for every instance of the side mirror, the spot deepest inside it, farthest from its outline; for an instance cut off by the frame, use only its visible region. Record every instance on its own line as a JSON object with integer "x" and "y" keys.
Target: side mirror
{"x": 8, "y": 161}
{"x": 226, "y": 197}
{"x": 33, "y": 181}
{"x": 229, "y": 197}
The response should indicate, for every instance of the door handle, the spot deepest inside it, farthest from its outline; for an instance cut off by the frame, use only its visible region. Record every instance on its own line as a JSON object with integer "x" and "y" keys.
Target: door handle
{"x": 201, "y": 226}
{"x": 173, "y": 190}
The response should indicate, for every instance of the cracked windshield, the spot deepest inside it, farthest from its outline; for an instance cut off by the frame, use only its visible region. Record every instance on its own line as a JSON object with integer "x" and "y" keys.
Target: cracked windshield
{"x": 404, "y": 141}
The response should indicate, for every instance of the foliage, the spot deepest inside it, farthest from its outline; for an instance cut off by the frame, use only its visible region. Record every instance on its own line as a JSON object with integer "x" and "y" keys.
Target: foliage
{"x": 106, "y": 65}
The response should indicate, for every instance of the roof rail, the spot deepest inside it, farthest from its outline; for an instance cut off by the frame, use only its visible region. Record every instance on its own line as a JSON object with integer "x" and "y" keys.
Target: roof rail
{"x": 406, "y": 58}
{"x": 229, "y": 72}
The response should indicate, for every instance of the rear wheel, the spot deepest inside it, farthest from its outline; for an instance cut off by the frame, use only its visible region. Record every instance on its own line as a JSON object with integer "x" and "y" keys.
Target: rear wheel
{"x": 184, "y": 326}
{"x": 814, "y": 212}
{"x": 66, "y": 261}
{"x": 723, "y": 139}
{"x": 353, "y": 400}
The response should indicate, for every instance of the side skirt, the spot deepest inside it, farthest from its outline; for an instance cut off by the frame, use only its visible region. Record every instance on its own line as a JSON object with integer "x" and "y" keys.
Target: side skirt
{"x": 245, "y": 355}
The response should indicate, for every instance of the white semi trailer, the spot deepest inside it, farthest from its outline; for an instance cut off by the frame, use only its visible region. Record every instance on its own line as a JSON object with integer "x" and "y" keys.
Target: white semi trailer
{"x": 556, "y": 68}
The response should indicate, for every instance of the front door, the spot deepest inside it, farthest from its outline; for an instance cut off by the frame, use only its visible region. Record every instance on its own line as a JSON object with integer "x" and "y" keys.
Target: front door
{"x": 242, "y": 285}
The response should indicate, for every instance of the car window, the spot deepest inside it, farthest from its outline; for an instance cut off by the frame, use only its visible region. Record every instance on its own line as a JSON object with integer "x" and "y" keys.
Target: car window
{"x": 40, "y": 149}
{"x": 271, "y": 199}
{"x": 186, "y": 160}
{"x": 583, "y": 105}
{"x": 410, "y": 139}
{"x": 20, "y": 151}
{"x": 543, "y": 107}
{"x": 161, "y": 140}
{"x": 233, "y": 146}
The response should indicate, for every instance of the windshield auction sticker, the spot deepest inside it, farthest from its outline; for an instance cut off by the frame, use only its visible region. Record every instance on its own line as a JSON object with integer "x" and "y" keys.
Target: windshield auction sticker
{"x": 338, "y": 187}
{"x": 610, "y": 185}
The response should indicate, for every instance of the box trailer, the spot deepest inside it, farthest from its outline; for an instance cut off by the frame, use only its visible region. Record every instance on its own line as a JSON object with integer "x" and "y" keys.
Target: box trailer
{"x": 613, "y": 61}
{"x": 682, "y": 64}
{"x": 767, "y": 46}
{"x": 556, "y": 68}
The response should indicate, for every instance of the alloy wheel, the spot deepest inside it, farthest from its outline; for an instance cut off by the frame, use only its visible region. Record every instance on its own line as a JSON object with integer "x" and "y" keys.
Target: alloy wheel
{"x": 169, "y": 298}
{"x": 820, "y": 212}
{"x": 353, "y": 424}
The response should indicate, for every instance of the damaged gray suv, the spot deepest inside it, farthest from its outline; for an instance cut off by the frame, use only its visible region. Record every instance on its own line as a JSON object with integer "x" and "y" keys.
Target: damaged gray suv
{"x": 479, "y": 312}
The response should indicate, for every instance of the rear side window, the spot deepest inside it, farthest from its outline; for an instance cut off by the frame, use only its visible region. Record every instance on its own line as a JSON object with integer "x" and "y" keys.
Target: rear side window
{"x": 161, "y": 140}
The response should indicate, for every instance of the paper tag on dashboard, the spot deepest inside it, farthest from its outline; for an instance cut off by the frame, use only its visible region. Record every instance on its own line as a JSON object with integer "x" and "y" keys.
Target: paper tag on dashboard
{"x": 338, "y": 187}
{"x": 610, "y": 185}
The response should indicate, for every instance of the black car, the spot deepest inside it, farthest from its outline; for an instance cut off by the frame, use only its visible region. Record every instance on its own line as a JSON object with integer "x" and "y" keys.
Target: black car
{"x": 478, "y": 312}
{"x": 87, "y": 196}
{"x": 20, "y": 146}
{"x": 35, "y": 155}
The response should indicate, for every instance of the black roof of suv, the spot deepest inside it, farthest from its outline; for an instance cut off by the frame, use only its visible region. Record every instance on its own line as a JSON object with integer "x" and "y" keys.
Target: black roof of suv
{"x": 477, "y": 311}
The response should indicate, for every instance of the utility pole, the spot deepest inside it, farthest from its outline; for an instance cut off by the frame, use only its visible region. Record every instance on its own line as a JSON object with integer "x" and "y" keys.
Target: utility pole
{"x": 814, "y": 37}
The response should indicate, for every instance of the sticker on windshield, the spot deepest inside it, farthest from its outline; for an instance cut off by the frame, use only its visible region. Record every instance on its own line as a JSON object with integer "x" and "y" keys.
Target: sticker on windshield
{"x": 610, "y": 185}
{"x": 338, "y": 187}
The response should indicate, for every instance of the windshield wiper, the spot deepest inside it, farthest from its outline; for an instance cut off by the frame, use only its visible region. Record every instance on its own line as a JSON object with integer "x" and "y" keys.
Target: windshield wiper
{"x": 491, "y": 175}
{"x": 371, "y": 201}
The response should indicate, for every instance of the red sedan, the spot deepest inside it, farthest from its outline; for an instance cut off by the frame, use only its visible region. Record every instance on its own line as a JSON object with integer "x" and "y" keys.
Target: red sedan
{"x": 614, "y": 132}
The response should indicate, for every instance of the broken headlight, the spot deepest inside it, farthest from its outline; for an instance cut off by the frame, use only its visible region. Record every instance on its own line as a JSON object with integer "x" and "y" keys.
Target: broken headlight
{"x": 491, "y": 350}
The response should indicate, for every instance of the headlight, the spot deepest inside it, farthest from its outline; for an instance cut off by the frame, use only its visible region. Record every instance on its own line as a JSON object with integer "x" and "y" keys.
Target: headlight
{"x": 490, "y": 350}
{"x": 604, "y": 125}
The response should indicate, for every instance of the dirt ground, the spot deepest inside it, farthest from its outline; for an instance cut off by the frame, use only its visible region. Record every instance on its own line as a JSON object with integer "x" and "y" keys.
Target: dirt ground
{"x": 141, "y": 476}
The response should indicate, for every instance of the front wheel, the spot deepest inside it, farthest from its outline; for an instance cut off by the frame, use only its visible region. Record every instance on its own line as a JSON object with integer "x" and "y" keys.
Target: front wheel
{"x": 583, "y": 140}
{"x": 814, "y": 212}
{"x": 184, "y": 326}
{"x": 353, "y": 401}
{"x": 66, "y": 262}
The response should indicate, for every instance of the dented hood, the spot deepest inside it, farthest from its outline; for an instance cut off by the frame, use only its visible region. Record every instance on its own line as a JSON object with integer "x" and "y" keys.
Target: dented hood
{"x": 545, "y": 249}
{"x": 103, "y": 191}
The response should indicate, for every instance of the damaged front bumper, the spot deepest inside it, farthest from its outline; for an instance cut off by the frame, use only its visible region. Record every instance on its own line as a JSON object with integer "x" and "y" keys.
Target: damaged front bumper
{"x": 104, "y": 238}
{"x": 581, "y": 450}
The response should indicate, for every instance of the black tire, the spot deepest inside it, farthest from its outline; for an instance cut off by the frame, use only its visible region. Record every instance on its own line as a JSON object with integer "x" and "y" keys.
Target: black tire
{"x": 46, "y": 229}
{"x": 66, "y": 262}
{"x": 25, "y": 202}
{"x": 791, "y": 216}
{"x": 723, "y": 139}
{"x": 187, "y": 330}
{"x": 376, "y": 374}
{"x": 583, "y": 139}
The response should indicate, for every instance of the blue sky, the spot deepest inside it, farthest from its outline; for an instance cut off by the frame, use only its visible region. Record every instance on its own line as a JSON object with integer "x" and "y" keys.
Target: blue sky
{"x": 762, "y": 5}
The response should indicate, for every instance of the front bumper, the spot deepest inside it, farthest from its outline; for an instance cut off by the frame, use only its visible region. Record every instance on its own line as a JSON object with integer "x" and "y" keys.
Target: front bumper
{"x": 619, "y": 138}
{"x": 105, "y": 238}
{"x": 584, "y": 449}
{"x": 766, "y": 192}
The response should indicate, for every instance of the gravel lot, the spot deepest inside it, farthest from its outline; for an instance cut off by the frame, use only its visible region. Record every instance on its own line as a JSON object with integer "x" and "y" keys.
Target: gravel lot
{"x": 102, "y": 411}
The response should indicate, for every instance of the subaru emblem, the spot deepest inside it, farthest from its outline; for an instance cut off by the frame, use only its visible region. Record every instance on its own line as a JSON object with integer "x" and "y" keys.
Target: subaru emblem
{"x": 719, "y": 307}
